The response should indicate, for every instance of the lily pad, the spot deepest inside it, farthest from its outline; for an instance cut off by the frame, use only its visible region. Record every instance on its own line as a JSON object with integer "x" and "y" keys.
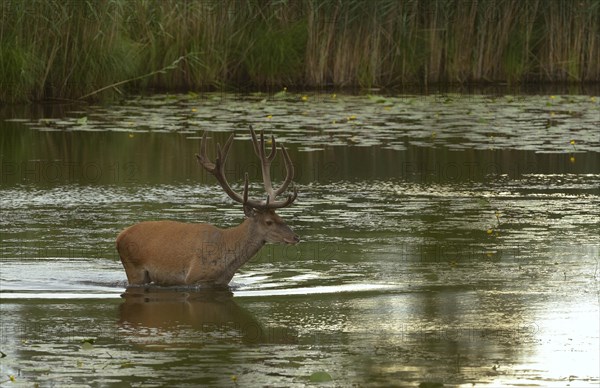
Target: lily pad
{"x": 320, "y": 377}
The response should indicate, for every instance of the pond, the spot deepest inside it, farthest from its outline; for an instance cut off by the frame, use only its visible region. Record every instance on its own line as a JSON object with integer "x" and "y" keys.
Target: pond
{"x": 445, "y": 239}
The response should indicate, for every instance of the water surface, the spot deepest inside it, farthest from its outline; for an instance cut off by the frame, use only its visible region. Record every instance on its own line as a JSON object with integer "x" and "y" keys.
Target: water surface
{"x": 445, "y": 239}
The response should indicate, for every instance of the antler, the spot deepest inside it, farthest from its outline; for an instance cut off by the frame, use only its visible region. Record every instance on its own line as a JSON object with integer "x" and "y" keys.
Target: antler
{"x": 218, "y": 170}
{"x": 259, "y": 149}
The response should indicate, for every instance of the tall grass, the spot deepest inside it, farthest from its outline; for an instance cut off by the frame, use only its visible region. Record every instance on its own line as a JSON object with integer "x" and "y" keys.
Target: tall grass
{"x": 71, "y": 48}
{"x": 52, "y": 49}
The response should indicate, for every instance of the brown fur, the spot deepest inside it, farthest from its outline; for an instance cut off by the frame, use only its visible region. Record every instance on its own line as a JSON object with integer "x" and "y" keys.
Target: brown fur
{"x": 174, "y": 253}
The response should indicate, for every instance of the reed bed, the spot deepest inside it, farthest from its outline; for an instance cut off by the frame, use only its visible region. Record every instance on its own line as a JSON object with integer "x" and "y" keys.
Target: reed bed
{"x": 70, "y": 49}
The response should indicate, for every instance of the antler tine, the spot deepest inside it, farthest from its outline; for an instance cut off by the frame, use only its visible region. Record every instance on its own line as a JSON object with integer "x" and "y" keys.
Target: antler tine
{"x": 217, "y": 168}
{"x": 289, "y": 171}
{"x": 265, "y": 161}
{"x": 245, "y": 188}
{"x": 202, "y": 158}
{"x": 254, "y": 141}
{"x": 222, "y": 153}
{"x": 273, "y": 152}
{"x": 259, "y": 149}
{"x": 288, "y": 201}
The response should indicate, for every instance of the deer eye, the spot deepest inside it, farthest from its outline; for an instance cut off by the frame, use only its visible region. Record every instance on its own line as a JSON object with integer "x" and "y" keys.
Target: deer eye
{"x": 269, "y": 222}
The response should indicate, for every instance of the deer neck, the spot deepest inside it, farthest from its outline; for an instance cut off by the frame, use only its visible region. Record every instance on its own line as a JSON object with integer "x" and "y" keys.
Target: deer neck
{"x": 242, "y": 242}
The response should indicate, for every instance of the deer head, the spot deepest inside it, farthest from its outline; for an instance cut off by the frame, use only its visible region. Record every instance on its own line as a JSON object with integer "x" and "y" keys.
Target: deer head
{"x": 264, "y": 222}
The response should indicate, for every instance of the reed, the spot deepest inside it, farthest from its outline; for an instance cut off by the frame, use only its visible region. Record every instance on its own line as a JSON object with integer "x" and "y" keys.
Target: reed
{"x": 53, "y": 49}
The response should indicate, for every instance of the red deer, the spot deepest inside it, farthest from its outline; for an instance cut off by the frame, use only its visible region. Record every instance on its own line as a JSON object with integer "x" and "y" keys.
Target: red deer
{"x": 169, "y": 253}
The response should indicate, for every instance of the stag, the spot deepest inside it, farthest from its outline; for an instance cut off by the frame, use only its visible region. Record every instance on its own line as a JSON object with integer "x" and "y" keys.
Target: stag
{"x": 170, "y": 253}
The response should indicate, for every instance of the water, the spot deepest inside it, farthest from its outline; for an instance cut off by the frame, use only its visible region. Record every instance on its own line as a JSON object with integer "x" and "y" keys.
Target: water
{"x": 445, "y": 239}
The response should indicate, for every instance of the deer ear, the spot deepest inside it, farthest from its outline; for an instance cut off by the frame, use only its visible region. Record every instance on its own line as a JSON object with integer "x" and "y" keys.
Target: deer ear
{"x": 249, "y": 211}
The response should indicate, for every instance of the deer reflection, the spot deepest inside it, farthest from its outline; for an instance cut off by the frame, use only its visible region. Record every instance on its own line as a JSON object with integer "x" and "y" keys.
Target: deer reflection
{"x": 210, "y": 311}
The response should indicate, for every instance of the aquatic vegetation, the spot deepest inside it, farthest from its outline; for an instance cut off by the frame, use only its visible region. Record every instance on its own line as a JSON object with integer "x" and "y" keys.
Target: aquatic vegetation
{"x": 320, "y": 377}
{"x": 460, "y": 122}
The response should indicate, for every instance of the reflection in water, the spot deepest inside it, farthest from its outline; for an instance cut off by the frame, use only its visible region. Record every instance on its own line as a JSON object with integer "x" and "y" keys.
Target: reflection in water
{"x": 212, "y": 314}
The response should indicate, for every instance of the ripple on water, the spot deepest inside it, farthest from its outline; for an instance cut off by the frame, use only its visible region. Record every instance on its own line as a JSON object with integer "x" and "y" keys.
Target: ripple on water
{"x": 370, "y": 223}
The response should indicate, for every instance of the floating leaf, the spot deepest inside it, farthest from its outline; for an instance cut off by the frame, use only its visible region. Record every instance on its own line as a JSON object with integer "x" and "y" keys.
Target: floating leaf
{"x": 320, "y": 377}
{"x": 87, "y": 343}
{"x": 87, "y": 346}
